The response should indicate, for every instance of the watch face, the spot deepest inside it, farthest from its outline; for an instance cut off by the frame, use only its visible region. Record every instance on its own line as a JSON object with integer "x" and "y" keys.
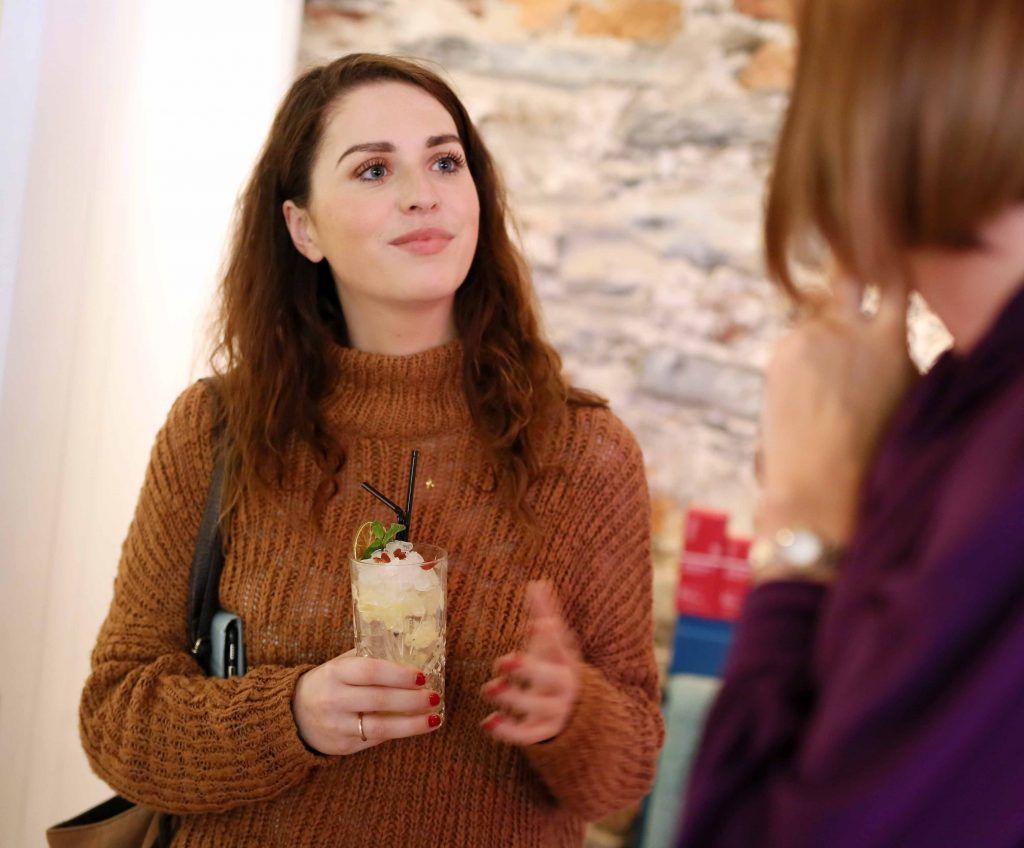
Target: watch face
{"x": 805, "y": 549}
{"x": 795, "y": 548}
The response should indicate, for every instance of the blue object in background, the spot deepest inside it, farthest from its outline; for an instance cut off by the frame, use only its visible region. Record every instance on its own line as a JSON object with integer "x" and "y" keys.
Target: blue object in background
{"x": 699, "y": 649}
{"x": 700, "y": 645}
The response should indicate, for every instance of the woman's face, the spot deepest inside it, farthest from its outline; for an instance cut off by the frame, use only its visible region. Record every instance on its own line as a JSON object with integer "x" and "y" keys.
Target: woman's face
{"x": 392, "y": 205}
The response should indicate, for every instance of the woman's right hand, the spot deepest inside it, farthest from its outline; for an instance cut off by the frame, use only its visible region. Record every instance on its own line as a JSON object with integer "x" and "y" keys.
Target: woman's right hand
{"x": 329, "y": 699}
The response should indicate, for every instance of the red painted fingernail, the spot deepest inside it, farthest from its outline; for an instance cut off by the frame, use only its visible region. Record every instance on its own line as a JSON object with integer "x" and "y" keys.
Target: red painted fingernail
{"x": 434, "y": 720}
{"x": 497, "y": 687}
{"x": 421, "y": 679}
{"x": 510, "y": 664}
{"x": 492, "y": 722}
{"x": 434, "y": 699}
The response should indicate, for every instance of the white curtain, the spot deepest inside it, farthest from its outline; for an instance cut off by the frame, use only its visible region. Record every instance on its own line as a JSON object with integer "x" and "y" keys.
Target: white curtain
{"x": 128, "y": 128}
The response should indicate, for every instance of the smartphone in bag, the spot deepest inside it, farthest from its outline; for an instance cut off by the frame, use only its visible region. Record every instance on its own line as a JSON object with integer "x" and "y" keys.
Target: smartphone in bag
{"x": 227, "y": 645}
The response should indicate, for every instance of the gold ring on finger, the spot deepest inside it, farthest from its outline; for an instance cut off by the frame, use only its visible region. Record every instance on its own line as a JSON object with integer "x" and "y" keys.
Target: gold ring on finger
{"x": 362, "y": 734}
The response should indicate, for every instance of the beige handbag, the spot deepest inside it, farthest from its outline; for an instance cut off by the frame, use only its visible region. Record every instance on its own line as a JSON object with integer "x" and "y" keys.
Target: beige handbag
{"x": 116, "y": 823}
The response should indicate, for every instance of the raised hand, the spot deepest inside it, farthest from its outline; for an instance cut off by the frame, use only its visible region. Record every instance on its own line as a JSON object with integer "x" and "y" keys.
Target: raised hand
{"x": 830, "y": 392}
{"x": 535, "y": 690}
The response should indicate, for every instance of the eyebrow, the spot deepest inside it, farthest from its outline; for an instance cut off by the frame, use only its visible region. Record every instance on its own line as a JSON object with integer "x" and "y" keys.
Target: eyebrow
{"x": 388, "y": 147}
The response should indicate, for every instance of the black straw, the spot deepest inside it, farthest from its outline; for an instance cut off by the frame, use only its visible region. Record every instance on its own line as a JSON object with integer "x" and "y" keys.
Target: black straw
{"x": 384, "y": 499}
{"x": 402, "y": 516}
{"x": 410, "y": 489}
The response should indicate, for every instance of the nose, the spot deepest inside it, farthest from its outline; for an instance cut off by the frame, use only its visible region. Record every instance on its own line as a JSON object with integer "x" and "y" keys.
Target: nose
{"x": 418, "y": 194}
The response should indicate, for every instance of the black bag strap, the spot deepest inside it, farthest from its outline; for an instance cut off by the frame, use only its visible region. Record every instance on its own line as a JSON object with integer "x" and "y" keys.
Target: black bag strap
{"x": 208, "y": 558}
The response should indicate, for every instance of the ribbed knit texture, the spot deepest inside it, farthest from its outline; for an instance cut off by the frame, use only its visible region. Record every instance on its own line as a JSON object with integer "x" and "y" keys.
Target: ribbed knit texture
{"x": 226, "y": 753}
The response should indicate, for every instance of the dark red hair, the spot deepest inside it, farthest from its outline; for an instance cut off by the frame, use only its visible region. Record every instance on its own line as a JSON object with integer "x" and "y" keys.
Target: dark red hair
{"x": 279, "y": 312}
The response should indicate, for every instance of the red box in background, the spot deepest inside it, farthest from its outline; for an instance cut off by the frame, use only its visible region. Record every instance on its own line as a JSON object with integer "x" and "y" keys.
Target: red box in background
{"x": 735, "y": 577}
{"x": 700, "y": 579}
{"x": 714, "y": 574}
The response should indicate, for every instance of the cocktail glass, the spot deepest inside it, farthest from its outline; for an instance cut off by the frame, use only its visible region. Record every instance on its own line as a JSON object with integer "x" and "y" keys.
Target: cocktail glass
{"x": 398, "y": 609}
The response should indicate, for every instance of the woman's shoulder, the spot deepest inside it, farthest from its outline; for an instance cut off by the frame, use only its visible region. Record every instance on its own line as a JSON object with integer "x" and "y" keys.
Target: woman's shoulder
{"x": 597, "y": 471}
{"x": 193, "y": 409}
{"x": 596, "y": 438}
{"x": 189, "y": 428}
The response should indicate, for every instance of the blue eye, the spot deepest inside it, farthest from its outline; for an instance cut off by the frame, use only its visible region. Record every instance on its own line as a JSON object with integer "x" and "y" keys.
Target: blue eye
{"x": 372, "y": 171}
{"x": 448, "y": 163}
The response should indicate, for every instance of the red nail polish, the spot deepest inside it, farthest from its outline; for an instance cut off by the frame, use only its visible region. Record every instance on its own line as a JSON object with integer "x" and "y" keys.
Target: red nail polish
{"x": 434, "y": 720}
{"x": 497, "y": 688}
{"x": 421, "y": 679}
{"x": 510, "y": 664}
{"x": 492, "y": 722}
{"x": 434, "y": 699}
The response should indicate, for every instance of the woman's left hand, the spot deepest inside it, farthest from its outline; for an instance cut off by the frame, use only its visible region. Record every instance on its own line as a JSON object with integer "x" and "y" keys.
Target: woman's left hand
{"x": 535, "y": 689}
{"x": 831, "y": 389}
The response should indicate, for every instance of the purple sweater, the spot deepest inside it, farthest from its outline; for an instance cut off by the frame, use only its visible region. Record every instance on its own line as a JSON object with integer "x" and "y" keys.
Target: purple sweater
{"x": 889, "y": 710}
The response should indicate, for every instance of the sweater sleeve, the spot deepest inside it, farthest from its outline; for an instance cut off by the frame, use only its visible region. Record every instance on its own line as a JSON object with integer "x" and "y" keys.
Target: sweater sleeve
{"x": 898, "y": 744}
{"x": 152, "y": 724}
{"x": 757, "y": 718}
{"x": 606, "y": 757}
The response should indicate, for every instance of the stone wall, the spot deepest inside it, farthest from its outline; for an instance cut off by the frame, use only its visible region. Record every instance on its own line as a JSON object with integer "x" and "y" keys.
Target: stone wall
{"x": 635, "y": 138}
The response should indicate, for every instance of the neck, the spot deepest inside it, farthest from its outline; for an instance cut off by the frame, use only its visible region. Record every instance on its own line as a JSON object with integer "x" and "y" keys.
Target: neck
{"x": 968, "y": 289}
{"x": 397, "y": 329}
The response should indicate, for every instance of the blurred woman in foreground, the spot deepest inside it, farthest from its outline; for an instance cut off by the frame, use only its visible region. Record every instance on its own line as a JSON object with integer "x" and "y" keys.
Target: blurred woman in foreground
{"x": 873, "y": 695}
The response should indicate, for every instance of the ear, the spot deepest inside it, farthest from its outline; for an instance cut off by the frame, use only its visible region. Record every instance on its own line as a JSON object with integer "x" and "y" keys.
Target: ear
{"x": 303, "y": 233}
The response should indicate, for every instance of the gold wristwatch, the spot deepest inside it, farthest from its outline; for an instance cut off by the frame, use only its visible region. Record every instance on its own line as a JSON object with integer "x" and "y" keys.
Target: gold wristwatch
{"x": 793, "y": 550}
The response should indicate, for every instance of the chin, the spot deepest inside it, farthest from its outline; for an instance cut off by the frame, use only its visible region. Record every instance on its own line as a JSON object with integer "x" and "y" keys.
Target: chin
{"x": 428, "y": 284}
{"x": 425, "y": 291}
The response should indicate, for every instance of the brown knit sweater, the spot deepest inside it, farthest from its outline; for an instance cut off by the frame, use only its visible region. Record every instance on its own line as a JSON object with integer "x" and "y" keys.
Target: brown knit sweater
{"x": 226, "y": 753}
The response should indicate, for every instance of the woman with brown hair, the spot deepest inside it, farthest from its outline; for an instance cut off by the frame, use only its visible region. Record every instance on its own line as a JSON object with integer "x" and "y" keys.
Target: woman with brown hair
{"x": 374, "y": 304}
{"x": 872, "y": 697}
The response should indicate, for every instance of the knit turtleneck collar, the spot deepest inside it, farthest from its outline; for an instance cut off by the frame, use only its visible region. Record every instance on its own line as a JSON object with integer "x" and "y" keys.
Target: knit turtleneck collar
{"x": 413, "y": 395}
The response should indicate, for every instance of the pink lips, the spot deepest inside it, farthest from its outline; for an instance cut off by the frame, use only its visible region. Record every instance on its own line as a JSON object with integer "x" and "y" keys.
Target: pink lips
{"x": 423, "y": 242}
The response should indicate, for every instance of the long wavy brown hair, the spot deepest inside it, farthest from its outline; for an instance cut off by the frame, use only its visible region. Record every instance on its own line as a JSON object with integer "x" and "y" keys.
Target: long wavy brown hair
{"x": 279, "y": 313}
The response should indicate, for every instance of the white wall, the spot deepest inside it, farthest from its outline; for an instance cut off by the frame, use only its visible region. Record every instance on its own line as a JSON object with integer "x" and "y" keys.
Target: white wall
{"x": 137, "y": 122}
{"x": 21, "y": 32}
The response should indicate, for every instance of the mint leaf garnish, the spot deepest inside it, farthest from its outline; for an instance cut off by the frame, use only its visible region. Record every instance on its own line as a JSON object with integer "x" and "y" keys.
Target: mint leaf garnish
{"x": 381, "y": 537}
